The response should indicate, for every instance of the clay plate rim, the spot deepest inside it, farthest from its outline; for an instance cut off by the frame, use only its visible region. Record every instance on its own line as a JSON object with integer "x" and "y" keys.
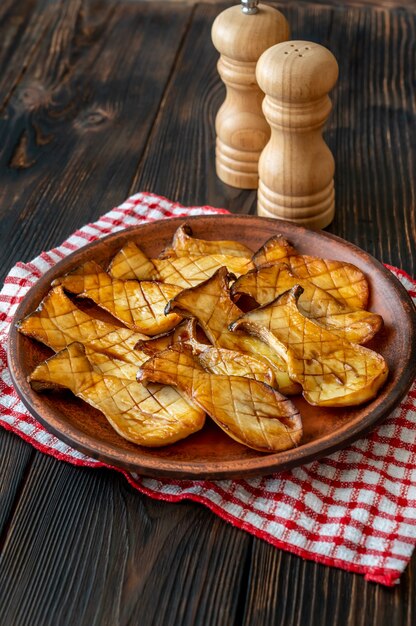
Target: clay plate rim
{"x": 370, "y": 414}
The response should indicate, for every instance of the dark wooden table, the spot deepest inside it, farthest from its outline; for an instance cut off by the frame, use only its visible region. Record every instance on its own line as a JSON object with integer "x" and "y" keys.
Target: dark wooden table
{"x": 100, "y": 99}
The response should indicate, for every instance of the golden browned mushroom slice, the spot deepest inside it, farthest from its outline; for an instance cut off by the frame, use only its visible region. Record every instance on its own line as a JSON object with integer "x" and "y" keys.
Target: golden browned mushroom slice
{"x": 153, "y": 345}
{"x": 152, "y": 415}
{"x": 113, "y": 367}
{"x": 210, "y": 303}
{"x": 138, "y": 304}
{"x": 189, "y": 271}
{"x": 276, "y": 249}
{"x": 215, "y": 360}
{"x": 247, "y": 410}
{"x": 232, "y": 363}
{"x": 190, "y": 333}
{"x": 221, "y": 360}
{"x": 58, "y": 322}
{"x": 184, "y": 244}
{"x": 132, "y": 263}
{"x": 183, "y": 271}
{"x": 332, "y": 371}
{"x": 185, "y": 332}
{"x": 342, "y": 280}
{"x": 269, "y": 281}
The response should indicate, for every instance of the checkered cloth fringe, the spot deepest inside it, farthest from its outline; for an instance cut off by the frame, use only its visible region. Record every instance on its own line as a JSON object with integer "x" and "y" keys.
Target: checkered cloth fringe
{"x": 355, "y": 509}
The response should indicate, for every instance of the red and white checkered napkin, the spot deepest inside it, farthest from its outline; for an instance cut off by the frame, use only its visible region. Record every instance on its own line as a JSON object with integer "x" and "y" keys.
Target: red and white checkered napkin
{"x": 355, "y": 509}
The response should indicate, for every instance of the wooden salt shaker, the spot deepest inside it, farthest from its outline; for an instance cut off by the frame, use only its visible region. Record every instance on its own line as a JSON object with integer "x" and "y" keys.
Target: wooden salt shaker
{"x": 241, "y": 33}
{"x": 296, "y": 168}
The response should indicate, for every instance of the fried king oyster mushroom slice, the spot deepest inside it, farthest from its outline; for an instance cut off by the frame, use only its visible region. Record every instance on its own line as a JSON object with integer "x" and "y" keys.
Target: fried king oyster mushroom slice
{"x": 113, "y": 367}
{"x": 185, "y": 332}
{"x": 189, "y": 271}
{"x": 131, "y": 263}
{"x": 269, "y": 281}
{"x": 232, "y": 363}
{"x": 138, "y": 304}
{"x": 210, "y": 303}
{"x": 332, "y": 371}
{"x": 151, "y": 415}
{"x": 184, "y": 244}
{"x": 342, "y": 280}
{"x": 155, "y": 344}
{"x": 215, "y": 360}
{"x": 190, "y": 333}
{"x": 185, "y": 271}
{"x": 249, "y": 411}
{"x": 58, "y": 322}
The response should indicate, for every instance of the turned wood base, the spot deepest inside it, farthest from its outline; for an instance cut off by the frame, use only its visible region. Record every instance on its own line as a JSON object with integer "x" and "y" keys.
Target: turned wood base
{"x": 314, "y": 212}
{"x": 235, "y": 167}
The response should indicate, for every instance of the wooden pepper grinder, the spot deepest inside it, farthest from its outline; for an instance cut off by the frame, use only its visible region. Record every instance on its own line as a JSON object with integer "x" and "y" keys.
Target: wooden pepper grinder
{"x": 241, "y": 33}
{"x": 296, "y": 168}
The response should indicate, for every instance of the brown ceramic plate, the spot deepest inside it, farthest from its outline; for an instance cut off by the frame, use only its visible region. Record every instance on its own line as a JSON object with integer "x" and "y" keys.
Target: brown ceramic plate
{"x": 210, "y": 453}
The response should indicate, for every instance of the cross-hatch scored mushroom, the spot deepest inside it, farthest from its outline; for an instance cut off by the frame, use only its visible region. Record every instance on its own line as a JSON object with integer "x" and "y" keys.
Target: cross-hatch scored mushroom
{"x": 184, "y": 244}
{"x": 175, "y": 345}
{"x": 215, "y": 360}
{"x": 342, "y": 280}
{"x": 184, "y": 271}
{"x": 331, "y": 370}
{"x": 152, "y": 415}
{"x": 139, "y": 305}
{"x": 269, "y": 281}
{"x": 248, "y": 410}
{"x": 58, "y": 322}
{"x": 210, "y": 303}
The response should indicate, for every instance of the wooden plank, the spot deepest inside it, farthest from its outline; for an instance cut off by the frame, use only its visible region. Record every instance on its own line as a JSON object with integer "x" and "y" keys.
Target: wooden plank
{"x": 75, "y": 128}
{"x": 153, "y": 556}
{"x": 60, "y": 126}
{"x": 370, "y": 129}
{"x": 87, "y": 549}
{"x": 23, "y": 23}
{"x": 284, "y": 589}
{"x": 15, "y": 456}
{"x": 369, "y": 133}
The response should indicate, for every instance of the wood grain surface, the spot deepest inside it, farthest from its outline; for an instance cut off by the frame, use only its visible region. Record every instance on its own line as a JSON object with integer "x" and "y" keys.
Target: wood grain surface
{"x": 103, "y": 98}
